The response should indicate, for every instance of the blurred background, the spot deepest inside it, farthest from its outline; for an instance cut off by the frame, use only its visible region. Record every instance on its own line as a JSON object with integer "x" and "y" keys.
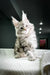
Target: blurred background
{"x": 38, "y": 12}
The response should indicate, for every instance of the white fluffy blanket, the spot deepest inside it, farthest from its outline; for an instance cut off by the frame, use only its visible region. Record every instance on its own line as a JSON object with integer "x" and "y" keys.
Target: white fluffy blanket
{"x": 22, "y": 66}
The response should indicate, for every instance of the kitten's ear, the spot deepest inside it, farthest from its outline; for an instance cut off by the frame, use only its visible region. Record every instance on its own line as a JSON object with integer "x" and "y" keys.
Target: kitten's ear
{"x": 24, "y": 17}
{"x": 15, "y": 22}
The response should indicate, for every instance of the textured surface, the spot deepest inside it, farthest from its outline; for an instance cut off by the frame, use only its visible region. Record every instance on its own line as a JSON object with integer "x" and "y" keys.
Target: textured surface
{"x": 22, "y": 66}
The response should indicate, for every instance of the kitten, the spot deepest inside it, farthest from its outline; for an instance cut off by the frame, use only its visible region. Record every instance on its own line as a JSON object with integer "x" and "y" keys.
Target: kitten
{"x": 26, "y": 41}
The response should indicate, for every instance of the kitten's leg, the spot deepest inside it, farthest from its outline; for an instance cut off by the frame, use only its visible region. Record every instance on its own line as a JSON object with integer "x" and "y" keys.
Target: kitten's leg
{"x": 16, "y": 46}
{"x": 16, "y": 49}
{"x": 31, "y": 55}
{"x": 21, "y": 53}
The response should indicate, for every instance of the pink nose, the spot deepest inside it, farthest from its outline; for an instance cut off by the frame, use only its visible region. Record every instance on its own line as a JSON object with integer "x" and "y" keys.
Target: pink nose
{"x": 24, "y": 28}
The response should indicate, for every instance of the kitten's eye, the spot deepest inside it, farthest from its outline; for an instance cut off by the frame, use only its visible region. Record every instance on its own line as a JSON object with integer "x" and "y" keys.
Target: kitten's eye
{"x": 21, "y": 28}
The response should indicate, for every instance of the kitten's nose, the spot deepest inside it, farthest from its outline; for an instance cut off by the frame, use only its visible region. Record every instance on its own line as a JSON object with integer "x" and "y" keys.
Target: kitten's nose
{"x": 22, "y": 28}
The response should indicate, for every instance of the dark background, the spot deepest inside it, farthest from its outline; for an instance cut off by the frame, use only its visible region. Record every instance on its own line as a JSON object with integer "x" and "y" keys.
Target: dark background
{"x": 37, "y": 11}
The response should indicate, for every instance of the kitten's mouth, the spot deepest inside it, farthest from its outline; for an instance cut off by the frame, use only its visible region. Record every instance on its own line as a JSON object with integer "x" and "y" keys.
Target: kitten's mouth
{"x": 24, "y": 31}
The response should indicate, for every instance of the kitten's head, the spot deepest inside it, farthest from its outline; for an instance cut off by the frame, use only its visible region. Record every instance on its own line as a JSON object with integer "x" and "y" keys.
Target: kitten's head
{"x": 22, "y": 27}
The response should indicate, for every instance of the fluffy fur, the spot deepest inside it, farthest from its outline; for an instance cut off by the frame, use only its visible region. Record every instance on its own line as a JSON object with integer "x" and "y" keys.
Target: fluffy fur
{"x": 26, "y": 41}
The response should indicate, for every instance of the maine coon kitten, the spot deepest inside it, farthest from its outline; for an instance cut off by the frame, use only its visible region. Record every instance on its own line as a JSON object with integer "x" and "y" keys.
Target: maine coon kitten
{"x": 26, "y": 40}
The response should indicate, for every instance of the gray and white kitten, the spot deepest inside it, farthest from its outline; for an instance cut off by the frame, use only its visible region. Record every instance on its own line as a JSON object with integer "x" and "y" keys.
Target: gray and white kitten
{"x": 26, "y": 41}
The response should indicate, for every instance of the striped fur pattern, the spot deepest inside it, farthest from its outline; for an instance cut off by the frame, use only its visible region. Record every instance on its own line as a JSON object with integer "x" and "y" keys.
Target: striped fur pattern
{"x": 26, "y": 41}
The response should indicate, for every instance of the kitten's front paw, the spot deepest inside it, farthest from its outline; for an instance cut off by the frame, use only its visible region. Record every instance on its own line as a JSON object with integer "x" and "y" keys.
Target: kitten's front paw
{"x": 23, "y": 54}
{"x": 17, "y": 56}
{"x": 31, "y": 58}
{"x": 20, "y": 55}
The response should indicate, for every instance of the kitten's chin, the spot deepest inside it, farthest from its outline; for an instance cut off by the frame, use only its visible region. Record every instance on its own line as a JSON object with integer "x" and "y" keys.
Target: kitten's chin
{"x": 23, "y": 33}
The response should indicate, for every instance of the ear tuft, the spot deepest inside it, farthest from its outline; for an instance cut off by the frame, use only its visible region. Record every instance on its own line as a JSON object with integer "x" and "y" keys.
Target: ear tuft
{"x": 14, "y": 21}
{"x": 22, "y": 12}
{"x": 24, "y": 17}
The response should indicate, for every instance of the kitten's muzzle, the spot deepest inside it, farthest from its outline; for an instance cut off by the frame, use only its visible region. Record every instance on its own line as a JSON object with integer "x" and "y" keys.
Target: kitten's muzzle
{"x": 23, "y": 28}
